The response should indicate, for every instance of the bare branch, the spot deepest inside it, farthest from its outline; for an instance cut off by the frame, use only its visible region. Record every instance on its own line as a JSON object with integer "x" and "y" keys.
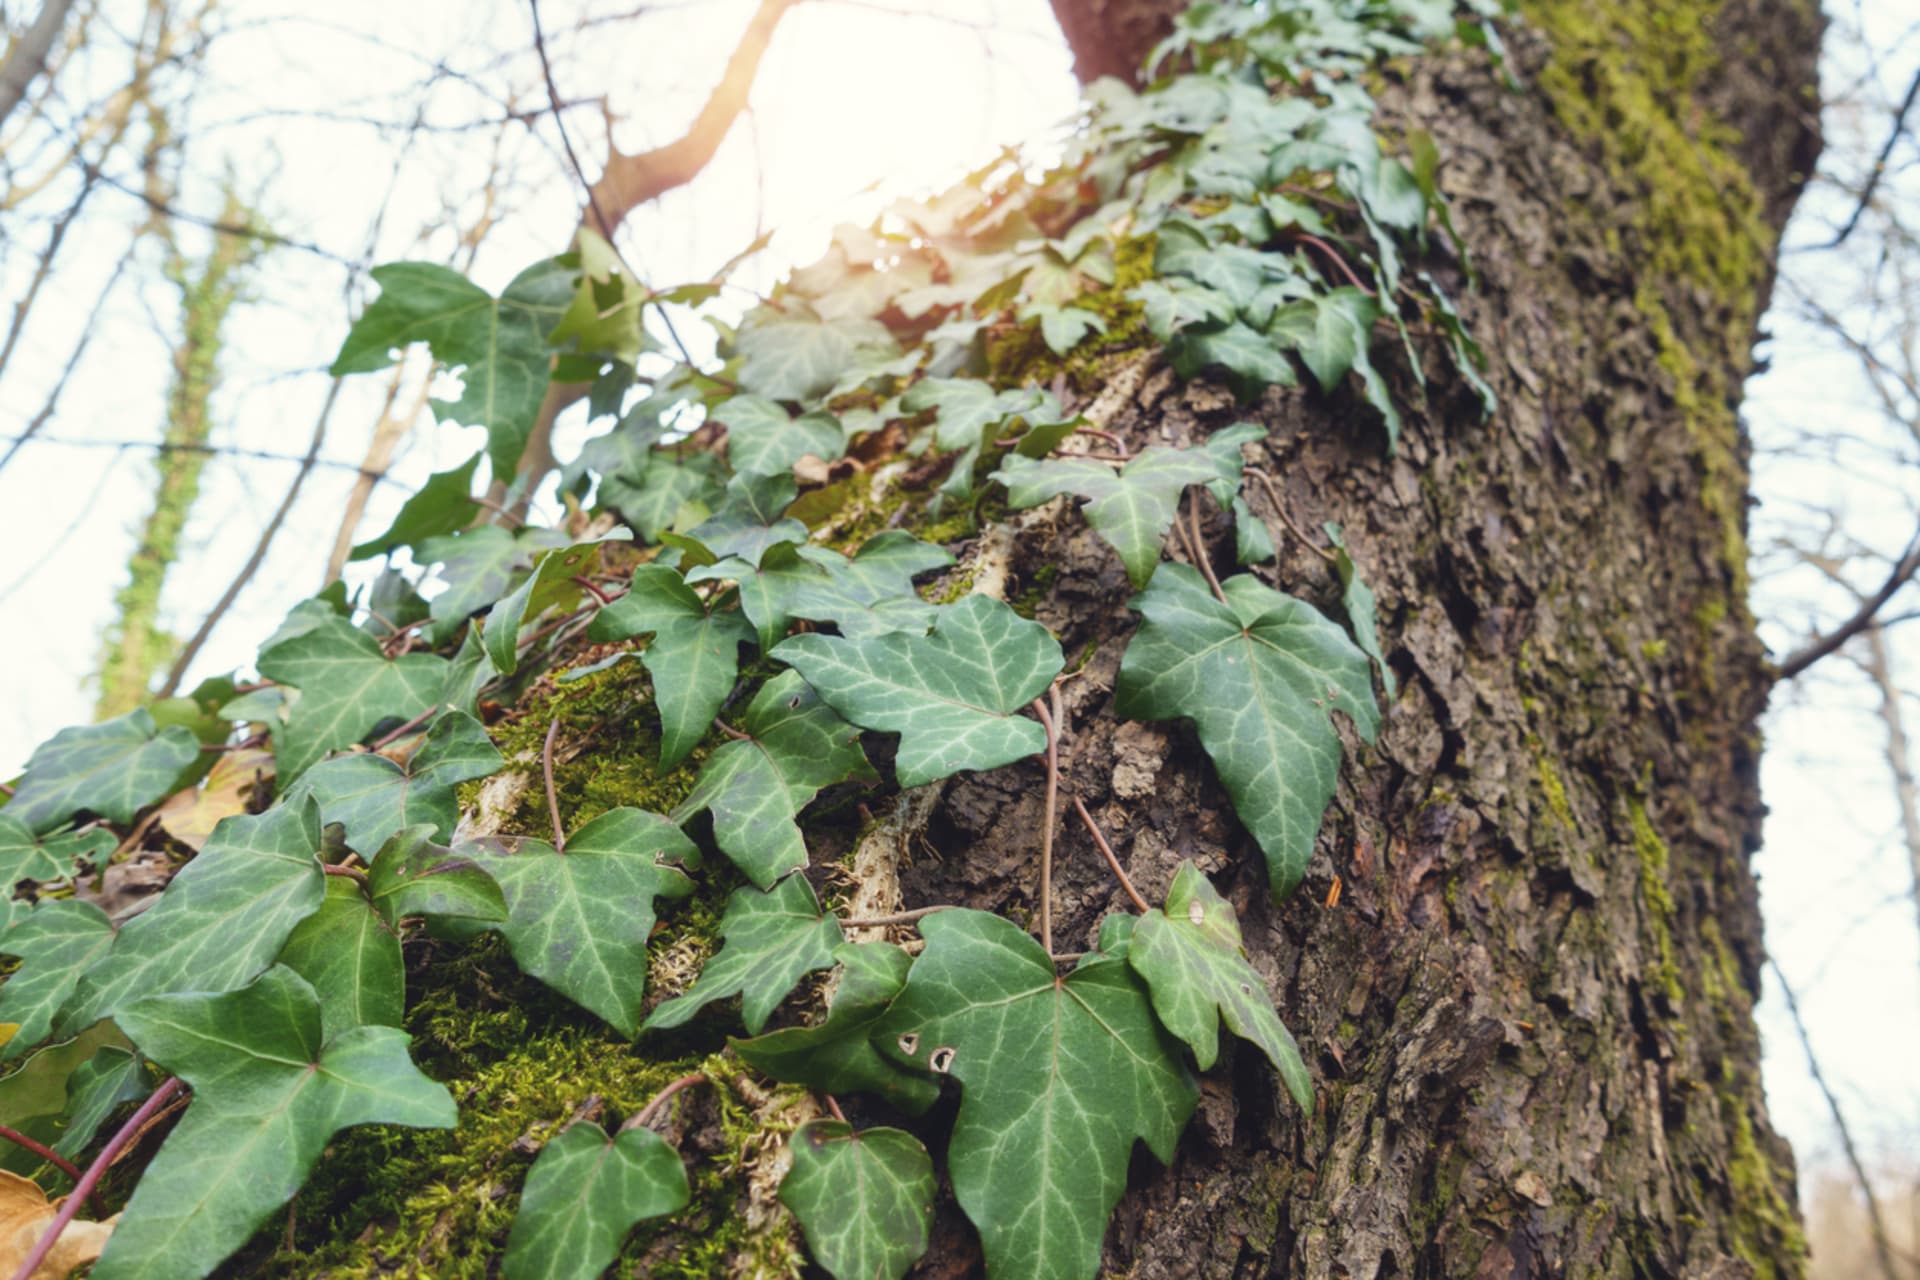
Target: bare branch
{"x": 1879, "y": 166}
{"x": 27, "y": 56}
{"x": 1903, "y": 571}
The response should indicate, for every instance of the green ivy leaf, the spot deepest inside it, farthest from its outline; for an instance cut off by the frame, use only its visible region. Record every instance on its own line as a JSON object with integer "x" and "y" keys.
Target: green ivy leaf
{"x": 444, "y": 505}
{"x": 694, "y": 656}
{"x": 773, "y": 939}
{"x": 372, "y": 797}
{"x": 413, "y": 876}
{"x": 750, "y": 520}
{"x": 583, "y": 1195}
{"x": 669, "y": 490}
{"x": 1259, "y": 676}
{"x": 35, "y": 1097}
{"x": 1332, "y": 332}
{"x": 56, "y": 942}
{"x": 838, "y": 1055}
{"x": 952, "y": 696}
{"x": 220, "y": 921}
{"x": 1175, "y": 304}
{"x": 115, "y": 769}
{"x": 762, "y": 439}
{"x": 870, "y": 594}
{"x": 351, "y": 957}
{"x": 1132, "y": 509}
{"x": 1193, "y": 961}
{"x": 112, "y": 1076}
{"x": 603, "y": 315}
{"x": 1357, "y": 598}
{"x": 865, "y": 1199}
{"x": 1063, "y": 328}
{"x": 479, "y": 566}
{"x": 970, "y": 415}
{"x": 347, "y": 686}
{"x": 797, "y": 357}
{"x": 579, "y": 920}
{"x": 25, "y": 856}
{"x": 268, "y": 1095}
{"x": 1059, "y": 1077}
{"x": 498, "y": 345}
{"x": 756, "y": 786}
{"x": 551, "y": 585}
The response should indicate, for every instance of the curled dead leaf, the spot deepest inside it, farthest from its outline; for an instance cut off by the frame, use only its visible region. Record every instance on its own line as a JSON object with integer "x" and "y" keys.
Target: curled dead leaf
{"x": 25, "y": 1213}
{"x": 191, "y": 815}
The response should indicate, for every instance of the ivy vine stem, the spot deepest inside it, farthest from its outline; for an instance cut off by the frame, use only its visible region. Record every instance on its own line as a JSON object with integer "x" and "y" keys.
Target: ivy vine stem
{"x": 1113, "y": 862}
{"x": 45, "y": 1152}
{"x": 1198, "y": 547}
{"x": 546, "y": 772}
{"x": 1286, "y": 517}
{"x": 344, "y": 872}
{"x": 388, "y": 739}
{"x": 646, "y": 1114}
{"x": 83, "y": 1190}
{"x": 898, "y": 917}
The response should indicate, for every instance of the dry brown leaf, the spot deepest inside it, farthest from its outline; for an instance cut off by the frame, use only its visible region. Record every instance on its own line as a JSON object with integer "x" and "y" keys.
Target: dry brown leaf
{"x": 191, "y": 815}
{"x": 24, "y": 1215}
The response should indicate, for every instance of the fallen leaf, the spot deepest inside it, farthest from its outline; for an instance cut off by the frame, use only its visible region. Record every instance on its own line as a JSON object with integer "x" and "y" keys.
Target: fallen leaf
{"x": 24, "y": 1215}
{"x": 191, "y": 815}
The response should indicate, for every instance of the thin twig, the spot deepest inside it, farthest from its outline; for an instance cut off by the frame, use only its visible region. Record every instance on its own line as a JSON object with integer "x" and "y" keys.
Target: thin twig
{"x": 83, "y": 1190}
{"x": 1879, "y": 166}
{"x": 1046, "y": 830}
{"x": 898, "y": 917}
{"x": 1112, "y": 439}
{"x": 1200, "y": 556}
{"x": 646, "y": 1114}
{"x": 354, "y": 874}
{"x": 388, "y": 739}
{"x": 1106, "y": 851}
{"x": 1879, "y": 1229}
{"x": 1338, "y": 261}
{"x": 1903, "y": 570}
{"x": 730, "y": 731}
{"x": 45, "y": 1152}
{"x": 833, "y": 1105}
{"x": 1286, "y": 518}
{"x": 598, "y": 594}
{"x": 546, "y": 771}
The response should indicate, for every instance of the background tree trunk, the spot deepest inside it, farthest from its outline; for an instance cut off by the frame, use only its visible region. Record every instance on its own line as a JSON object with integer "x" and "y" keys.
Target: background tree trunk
{"x": 1530, "y": 1004}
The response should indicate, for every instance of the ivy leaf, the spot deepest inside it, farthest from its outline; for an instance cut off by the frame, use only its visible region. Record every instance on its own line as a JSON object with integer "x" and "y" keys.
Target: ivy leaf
{"x": 694, "y": 656}
{"x": 1249, "y": 357}
{"x": 1224, "y": 448}
{"x": 579, "y": 920}
{"x": 670, "y": 487}
{"x": 1174, "y": 304}
{"x": 762, "y": 439}
{"x": 966, "y": 409}
{"x": 797, "y": 357}
{"x": 25, "y": 856}
{"x": 951, "y": 696}
{"x": 773, "y": 939}
{"x": 750, "y": 521}
{"x": 1059, "y": 1077}
{"x": 268, "y": 1095}
{"x": 35, "y": 1096}
{"x": 1192, "y": 959}
{"x": 1357, "y": 598}
{"x": 1063, "y": 328}
{"x": 603, "y": 315}
{"x": 865, "y": 1199}
{"x": 220, "y": 921}
{"x": 56, "y": 942}
{"x": 444, "y": 505}
{"x": 1132, "y": 509}
{"x": 347, "y": 686}
{"x": 115, "y": 769}
{"x": 1252, "y": 541}
{"x": 870, "y": 594}
{"x": 478, "y": 566}
{"x": 1260, "y": 676}
{"x": 372, "y": 797}
{"x": 756, "y": 786}
{"x": 498, "y": 345}
{"x": 413, "y": 876}
{"x": 113, "y": 1075}
{"x": 551, "y": 585}
{"x": 352, "y": 959}
{"x": 838, "y": 1055}
{"x": 1331, "y": 332}
{"x": 584, "y": 1194}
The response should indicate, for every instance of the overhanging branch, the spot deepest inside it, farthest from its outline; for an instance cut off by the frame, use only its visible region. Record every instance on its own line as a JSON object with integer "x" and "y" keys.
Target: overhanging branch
{"x": 1903, "y": 570}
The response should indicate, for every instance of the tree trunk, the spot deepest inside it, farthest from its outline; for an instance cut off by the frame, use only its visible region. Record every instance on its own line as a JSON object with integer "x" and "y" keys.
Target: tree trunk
{"x": 1525, "y": 958}
{"x": 1523, "y": 963}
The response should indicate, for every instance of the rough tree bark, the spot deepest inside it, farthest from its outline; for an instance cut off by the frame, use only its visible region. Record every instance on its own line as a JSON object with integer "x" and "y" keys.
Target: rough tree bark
{"x": 1524, "y": 961}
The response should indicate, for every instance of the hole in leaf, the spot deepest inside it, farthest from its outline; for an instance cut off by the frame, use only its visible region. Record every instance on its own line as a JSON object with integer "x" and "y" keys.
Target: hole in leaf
{"x": 1196, "y": 913}
{"x": 941, "y": 1059}
{"x": 910, "y": 1043}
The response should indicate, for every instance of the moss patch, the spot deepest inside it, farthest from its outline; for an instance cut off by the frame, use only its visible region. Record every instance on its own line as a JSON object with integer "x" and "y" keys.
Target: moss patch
{"x": 1651, "y": 853}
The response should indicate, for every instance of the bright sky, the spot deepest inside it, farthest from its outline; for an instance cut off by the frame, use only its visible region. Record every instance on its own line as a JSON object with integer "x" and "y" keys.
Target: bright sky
{"x": 851, "y": 94}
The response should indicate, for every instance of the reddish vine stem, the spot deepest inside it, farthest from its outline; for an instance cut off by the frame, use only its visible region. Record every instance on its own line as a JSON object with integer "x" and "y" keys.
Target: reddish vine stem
{"x": 345, "y": 873}
{"x": 1286, "y": 518}
{"x": 730, "y": 731}
{"x": 646, "y": 1114}
{"x": 1049, "y": 723}
{"x": 898, "y": 917}
{"x": 1200, "y": 549}
{"x": 546, "y": 772}
{"x": 1106, "y": 851}
{"x": 83, "y": 1190}
{"x": 405, "y": 729}
{"x": 598, "y": 594}
{"x": 1338, "y": 261}
{"x": 833, "y": 1105}
{"x": 45, "y": 1152}
{"x": 1101, "y": 457}
{"x": 1112, "y": 439}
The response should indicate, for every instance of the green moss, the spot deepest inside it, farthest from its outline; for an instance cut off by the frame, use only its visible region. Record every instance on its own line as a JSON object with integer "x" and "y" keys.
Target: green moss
{"x": 1626, "y": 82}
{"x": 1766, "y": 1230}
{"x": 1652, "y": 854}
{"x": 1018, "y": 355}
{"x": 1551, "y": 785}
